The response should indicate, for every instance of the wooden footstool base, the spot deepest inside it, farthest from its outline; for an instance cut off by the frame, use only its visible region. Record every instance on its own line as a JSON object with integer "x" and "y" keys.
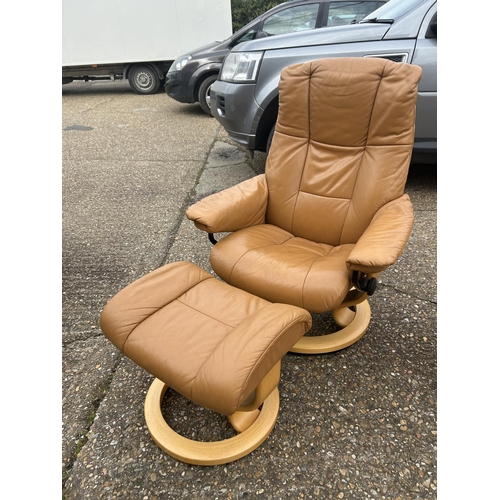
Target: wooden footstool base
{"x": 217, "y": 345}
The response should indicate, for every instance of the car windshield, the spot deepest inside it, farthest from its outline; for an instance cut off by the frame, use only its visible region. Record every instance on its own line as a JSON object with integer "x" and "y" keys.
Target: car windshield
{"x": 393, "y": 9}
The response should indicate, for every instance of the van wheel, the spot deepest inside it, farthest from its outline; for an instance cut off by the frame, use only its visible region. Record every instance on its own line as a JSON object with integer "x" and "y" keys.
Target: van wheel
{"x": 270, "y": 139}
{"x": 144, "y": 79}
{"x": 204, "y": 93}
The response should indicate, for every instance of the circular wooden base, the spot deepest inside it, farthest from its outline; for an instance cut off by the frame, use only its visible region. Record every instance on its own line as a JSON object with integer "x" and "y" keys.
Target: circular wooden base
{"x": 203, "y": 453}
{"x": 350, "y": 334}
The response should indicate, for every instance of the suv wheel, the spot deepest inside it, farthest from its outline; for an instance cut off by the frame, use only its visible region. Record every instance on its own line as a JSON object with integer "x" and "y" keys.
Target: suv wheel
{"x": 204, "y": 93}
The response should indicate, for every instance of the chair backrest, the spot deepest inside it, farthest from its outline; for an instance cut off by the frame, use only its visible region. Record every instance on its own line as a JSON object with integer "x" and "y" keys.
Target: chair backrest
{"x": 342, "y": 145}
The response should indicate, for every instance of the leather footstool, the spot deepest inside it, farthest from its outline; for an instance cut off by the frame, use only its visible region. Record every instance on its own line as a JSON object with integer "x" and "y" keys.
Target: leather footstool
{"x": 217, "y": 345}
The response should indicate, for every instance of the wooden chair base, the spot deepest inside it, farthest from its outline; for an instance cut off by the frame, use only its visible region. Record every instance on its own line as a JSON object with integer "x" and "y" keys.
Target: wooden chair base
{"x": 207, "y": 453}
{"x": 354, "y": 323}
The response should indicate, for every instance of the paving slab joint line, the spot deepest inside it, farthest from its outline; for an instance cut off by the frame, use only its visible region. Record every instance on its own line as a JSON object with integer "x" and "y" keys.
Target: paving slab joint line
{"x": 96, "y": 403}
{"x": 381, "y": 285}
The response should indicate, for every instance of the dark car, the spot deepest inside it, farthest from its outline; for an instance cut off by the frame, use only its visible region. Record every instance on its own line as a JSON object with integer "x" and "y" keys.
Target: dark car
{"x": 245, "y": 97}
{"x": 191, "y": 75}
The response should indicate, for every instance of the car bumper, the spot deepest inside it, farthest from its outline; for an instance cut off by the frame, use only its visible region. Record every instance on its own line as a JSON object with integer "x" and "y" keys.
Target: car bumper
{"x": 177, "y": 87}
{"x": 234, "y": 106}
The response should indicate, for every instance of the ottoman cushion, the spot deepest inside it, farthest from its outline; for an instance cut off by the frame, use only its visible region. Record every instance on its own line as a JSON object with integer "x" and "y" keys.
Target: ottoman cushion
{"x": 207, "y": 340}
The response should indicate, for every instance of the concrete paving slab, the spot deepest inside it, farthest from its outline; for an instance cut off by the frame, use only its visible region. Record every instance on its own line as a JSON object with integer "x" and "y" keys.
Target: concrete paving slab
{"x": 143, "y": 128}
{"x": 87, "y": 370}
{"x": 118, "y": 221}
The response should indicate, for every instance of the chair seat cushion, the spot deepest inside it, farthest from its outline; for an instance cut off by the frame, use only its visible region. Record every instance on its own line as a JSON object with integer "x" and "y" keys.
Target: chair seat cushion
{"x": 210, "y": 342}
{"x": 271, "y": 263}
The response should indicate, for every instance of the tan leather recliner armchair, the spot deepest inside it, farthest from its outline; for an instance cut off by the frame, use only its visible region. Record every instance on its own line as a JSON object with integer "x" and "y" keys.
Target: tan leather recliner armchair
{"x": 329, "y": 213}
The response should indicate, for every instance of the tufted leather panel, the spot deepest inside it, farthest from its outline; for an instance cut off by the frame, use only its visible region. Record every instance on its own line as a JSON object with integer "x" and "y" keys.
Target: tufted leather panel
{"x": 342, "y": 145}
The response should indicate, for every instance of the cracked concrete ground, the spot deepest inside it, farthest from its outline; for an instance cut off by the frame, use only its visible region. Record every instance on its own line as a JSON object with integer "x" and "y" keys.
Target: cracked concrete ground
{"x": 355, "y": 424}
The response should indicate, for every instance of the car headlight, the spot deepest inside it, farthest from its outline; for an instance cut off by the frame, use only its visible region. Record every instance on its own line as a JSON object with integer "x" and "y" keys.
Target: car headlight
{"x": 241, "y": 66}
{"x": 181, "y": 62}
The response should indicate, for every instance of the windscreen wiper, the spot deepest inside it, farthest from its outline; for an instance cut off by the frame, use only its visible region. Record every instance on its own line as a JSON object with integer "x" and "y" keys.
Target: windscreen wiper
{"x": 376, "y": 20}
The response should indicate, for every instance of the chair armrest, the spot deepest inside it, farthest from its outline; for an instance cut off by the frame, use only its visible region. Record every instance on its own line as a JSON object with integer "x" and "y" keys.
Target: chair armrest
{"x": 237, "y": 207}
{"x": 384, "y": 239}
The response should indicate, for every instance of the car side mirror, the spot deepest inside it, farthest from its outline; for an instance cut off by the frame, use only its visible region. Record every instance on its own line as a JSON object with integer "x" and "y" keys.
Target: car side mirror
{"x": 261, "y": 34}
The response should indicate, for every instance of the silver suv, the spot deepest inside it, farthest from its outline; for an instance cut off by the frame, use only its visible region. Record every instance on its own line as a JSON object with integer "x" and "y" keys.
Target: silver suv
{"x": 245, "y": 97}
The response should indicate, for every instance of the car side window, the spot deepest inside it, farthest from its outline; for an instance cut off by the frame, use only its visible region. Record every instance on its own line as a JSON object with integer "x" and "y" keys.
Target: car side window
{"x": 341, "y": 13}
{"x": 432, "y": 29}
{"x": 299, "y": 18}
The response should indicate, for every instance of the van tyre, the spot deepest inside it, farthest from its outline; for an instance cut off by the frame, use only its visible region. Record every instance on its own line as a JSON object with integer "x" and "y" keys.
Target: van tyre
{"x": 144, "y": 79}
{"x": 204, "y": 93}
